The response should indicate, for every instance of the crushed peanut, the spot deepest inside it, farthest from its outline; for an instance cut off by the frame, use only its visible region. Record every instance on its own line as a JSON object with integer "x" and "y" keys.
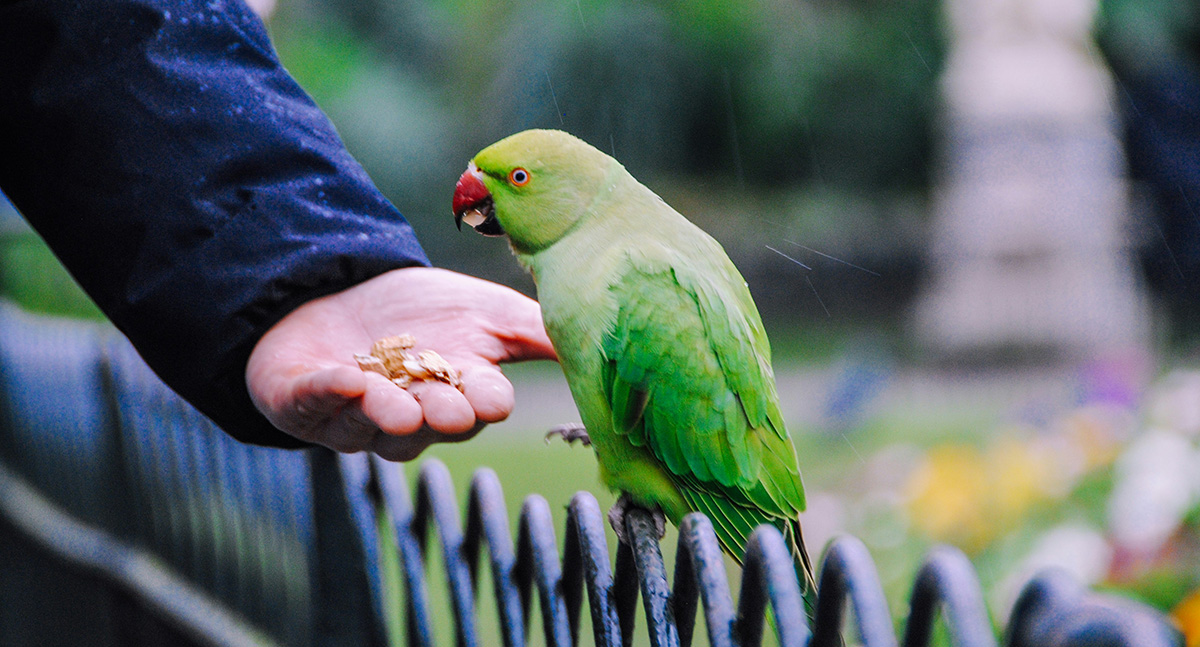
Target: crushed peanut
{"x": 392, "y": 358}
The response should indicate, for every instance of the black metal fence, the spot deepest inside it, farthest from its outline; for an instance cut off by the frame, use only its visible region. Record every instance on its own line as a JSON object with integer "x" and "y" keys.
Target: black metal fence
{"x": 126, "y": 518}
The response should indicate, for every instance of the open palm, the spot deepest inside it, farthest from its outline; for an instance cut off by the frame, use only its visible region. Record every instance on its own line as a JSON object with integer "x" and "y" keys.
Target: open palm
{"x": 303, "y": 377}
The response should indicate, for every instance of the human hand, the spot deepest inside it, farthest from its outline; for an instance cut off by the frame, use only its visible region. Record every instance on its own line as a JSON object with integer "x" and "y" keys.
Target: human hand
{"x": 303, "y": 377}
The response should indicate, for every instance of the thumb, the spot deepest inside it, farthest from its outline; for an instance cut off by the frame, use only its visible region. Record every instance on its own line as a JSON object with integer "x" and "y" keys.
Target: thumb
{"x": 520, "y": 329}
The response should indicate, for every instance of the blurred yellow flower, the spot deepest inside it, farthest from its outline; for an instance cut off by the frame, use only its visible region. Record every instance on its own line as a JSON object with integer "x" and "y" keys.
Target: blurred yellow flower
{"x": 966, "y": 497}
{"x": 946, "y": 494}
{"x": 1186, "y": 615}
{"x": 1020, "y": 474}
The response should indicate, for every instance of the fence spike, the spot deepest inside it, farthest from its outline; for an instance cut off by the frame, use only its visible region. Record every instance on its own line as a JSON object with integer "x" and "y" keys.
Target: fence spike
{"x": 626, "y": 584}
{"x": 487, "y": 519}
{"x": 585, "y": 559}
{"x": 652, "y": 576}
{"x": 392, "y": 492}
{"x": 436, "y": 501}
{"x": 1054, "y": 610}
{"x": 537, "y": 555}
{"x": 946, "y": 581}
{"x": 848, "y": 573}
{"x": 701, "y": 556}
{"x": 768, "y": 574}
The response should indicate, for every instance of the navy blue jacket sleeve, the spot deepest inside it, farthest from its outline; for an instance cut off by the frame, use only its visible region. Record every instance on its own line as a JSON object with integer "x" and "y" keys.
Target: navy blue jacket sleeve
{"x": 186, "y": 181}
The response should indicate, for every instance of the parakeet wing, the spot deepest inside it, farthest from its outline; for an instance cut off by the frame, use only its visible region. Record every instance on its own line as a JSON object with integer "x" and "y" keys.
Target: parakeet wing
{"x": 688, "y": 376}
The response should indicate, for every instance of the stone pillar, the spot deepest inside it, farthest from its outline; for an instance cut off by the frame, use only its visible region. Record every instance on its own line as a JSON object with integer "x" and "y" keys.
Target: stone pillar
{"x": 1030, "y": 248}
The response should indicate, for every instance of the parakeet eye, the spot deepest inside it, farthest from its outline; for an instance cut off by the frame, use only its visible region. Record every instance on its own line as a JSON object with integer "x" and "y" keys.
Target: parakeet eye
{"x": 518, "y": 176}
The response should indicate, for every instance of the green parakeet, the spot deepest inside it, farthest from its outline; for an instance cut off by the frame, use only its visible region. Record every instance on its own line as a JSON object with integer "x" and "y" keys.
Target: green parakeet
{"x": 662, "y": 346}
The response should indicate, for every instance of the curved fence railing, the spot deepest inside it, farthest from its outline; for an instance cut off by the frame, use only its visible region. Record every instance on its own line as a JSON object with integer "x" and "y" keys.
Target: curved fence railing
{"x": 1052, "y": 610}
{"x": 126, "y": 518}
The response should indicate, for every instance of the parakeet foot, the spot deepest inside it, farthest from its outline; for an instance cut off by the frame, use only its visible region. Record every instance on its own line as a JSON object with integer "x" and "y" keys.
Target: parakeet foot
{"x": 616, "y": 518}
{"x": 570, "y": 432}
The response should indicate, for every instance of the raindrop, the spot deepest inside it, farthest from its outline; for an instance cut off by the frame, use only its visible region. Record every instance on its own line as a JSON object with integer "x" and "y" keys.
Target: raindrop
{"x": 553, "y": 96}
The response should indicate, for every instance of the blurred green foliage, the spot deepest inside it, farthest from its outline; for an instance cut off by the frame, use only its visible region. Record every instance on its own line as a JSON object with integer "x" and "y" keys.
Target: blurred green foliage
{"x": 770, "y": 90}
{"x": 772, "y": 103}
{"x": 31, "y": 276}
{"x": 774, "y": 124}
{"x": 1149, "y": 32}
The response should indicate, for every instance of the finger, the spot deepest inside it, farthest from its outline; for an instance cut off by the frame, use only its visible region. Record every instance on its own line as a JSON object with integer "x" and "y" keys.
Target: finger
{"x": 399, "y": 448}
{"x": 394, "y": 410}
{"x": 334, "y": 402}
{"x": 524, "y": 333}
{"x": 292, "y": 399}
{"x": 306, "y": 405}
{"x": 445, "y": 409}
{"x": 489, "y": 393}
{"x": 407, "y": 448}
{"x": 348, "y": 432}
{"x": 324, "y": 391}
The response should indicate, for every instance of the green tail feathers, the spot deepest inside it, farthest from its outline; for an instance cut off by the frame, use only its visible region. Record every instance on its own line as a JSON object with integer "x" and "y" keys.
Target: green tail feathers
{"x": 804, "y": 567}
{"x": 733, "y": 524}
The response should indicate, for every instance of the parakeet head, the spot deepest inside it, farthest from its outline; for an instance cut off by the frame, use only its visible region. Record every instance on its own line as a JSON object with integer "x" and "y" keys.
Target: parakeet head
{"x": 532, "y": 186}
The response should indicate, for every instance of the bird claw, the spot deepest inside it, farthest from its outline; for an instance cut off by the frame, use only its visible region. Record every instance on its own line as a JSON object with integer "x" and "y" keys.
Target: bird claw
{"x": 570, "y": 432}
{"x": 616, "y": 518}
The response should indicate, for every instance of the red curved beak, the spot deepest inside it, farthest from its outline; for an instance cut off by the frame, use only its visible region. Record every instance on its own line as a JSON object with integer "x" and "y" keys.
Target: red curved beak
{"x": 469, "y": 191}
{"x": 473, "y": 203}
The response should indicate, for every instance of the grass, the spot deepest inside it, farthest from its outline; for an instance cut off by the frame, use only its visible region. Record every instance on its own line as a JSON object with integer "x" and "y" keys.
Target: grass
{"x": 31, "y": 276}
